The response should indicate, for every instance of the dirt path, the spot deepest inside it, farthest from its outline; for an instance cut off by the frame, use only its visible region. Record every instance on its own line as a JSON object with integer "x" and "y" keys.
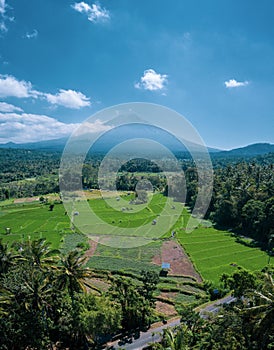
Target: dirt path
{"x": 92, "y": 248}
{"x": 179, "y": 261}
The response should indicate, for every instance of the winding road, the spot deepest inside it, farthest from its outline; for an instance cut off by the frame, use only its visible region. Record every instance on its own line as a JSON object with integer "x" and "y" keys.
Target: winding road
{"x": 142, "y": 339}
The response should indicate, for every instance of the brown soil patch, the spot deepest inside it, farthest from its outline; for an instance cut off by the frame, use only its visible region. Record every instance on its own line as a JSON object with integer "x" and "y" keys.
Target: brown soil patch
{"x": 26, "y": 200}
{"x": 95, "y": 194}
{"x": 168, "y": 295}
{"x": 166, "y": 309}
{"x": 180, "y": 264}
{"x": 92, "y": 248}
{"x": 157, "y": 259}
{"x": 50, "y": 197}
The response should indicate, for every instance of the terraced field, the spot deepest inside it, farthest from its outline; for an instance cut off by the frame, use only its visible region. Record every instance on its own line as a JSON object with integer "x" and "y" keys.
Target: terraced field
{"x": 215, "y": 252}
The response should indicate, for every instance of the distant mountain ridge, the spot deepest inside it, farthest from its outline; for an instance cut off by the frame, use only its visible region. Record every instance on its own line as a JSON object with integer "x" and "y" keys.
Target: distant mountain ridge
{"x": 57, "y": 145}
{"x": 255, "y": 149}
{"x": 113, "y": 137}
{"x": 46, "y": 145}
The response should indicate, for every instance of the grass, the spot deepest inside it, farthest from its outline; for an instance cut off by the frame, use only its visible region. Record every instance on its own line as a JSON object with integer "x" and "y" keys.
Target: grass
{"x": 142, "y": 253}
{"x": 72, "y": 241}
{"x": 120, "y": 264}
{"x": 34, "y": 220}
{"x": 216, "y": 252}
{"x": 213, "y": 252}
{"x": 112, "y": 217}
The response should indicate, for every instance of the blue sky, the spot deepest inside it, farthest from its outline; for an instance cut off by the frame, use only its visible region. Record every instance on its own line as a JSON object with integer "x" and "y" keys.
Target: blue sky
{"x": 212, "y": 61}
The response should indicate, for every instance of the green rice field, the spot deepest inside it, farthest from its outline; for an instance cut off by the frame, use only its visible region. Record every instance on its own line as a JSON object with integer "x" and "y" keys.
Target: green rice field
{"x": 212, "y": 252}
{"x": 215, "y": 252}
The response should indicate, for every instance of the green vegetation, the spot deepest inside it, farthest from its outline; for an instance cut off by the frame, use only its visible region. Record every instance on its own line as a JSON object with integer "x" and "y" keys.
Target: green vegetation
{"x": 212, "y": 251}
{"x": 43, "y": 299}
{"x": 132, "y": 215}
{"x": 42, "y": 290}
{"x": 215, "y": 252}
{"x": 247, "y": 323}
{"x": 34, "y": 220}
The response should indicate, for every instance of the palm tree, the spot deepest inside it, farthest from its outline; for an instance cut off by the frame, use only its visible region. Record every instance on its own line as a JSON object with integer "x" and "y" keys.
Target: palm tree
{"x": 72, "y": 274}
{"x": 6, "y": 298}
{"x": 177, "y": 338}
{"x": 261, "y": 310}
{"x": 38, "y": 253}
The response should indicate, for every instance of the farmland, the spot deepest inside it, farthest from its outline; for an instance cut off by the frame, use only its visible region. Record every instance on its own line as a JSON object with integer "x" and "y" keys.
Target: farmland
{"x": 34, "y": 220}
{"x": 203, "y": 254}
{"x": 213, "y": 252}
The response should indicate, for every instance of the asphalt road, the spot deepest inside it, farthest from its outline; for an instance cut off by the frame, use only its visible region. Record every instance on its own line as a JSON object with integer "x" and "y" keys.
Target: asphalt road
{"x": 214, "y": 307}
{"x": 142, "y": 339}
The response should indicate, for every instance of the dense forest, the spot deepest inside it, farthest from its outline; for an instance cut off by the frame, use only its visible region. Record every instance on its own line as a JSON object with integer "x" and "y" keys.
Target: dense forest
{"x": 25, "y": 173}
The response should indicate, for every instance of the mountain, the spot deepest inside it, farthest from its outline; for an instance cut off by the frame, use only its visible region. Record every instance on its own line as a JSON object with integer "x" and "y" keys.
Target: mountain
{"x": 136, "y": 131}
{"x": 255, "y": 149}
{"x": 47, "y": 145}
{"x": 117, "y": 136}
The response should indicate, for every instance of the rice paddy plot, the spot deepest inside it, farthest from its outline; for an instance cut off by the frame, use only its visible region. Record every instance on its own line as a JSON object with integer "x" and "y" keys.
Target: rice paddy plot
{"x": 103, "y": 220}
{"x": 35, "y": 221}
{"x": 120, "y": 264}
{"x": 216, "y": 252}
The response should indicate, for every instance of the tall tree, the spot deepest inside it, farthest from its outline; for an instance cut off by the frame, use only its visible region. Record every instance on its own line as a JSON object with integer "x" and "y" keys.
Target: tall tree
{"x": 72, "y": 274}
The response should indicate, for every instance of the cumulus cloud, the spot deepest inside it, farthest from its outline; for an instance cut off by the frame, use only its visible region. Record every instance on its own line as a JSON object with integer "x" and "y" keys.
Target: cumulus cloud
{"x": 91, "y": 128}
{"x": 69, "y": 99}
{"x": 232, "y": 83}
{"x": 81, "y": 7}
{"x": 25, "y": 127}
{"x": 21, "y": 128}
{"x": 152, "y": 81}
{"x": 6, "y": 107}
{"x": 32, "y": 35}
{"x": 94, "y": 12}
{"x": 12, "y": 87}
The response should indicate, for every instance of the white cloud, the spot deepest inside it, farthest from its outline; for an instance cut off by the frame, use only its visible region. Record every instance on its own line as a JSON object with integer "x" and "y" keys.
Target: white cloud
{"x": 81, "y": 7}
{"x": 2, "y": 7}
{"x": 10, "y": 86}
{"x": 32, "y": 35}
{"x": 6, "y": 107}
{"x": 31, "y": 127}
{"x": 95, "y": 12}
{"x": 91, "y": 128}
{"x": 152, "y": 81}
{"x": 69, "y": 99}
{"x": 98, "y": 14}
{"x": 21, "y": 128}
{"x": 3, "y": 16}
{"x": 232, "y": 83}
{"x": 3, "y": 27}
